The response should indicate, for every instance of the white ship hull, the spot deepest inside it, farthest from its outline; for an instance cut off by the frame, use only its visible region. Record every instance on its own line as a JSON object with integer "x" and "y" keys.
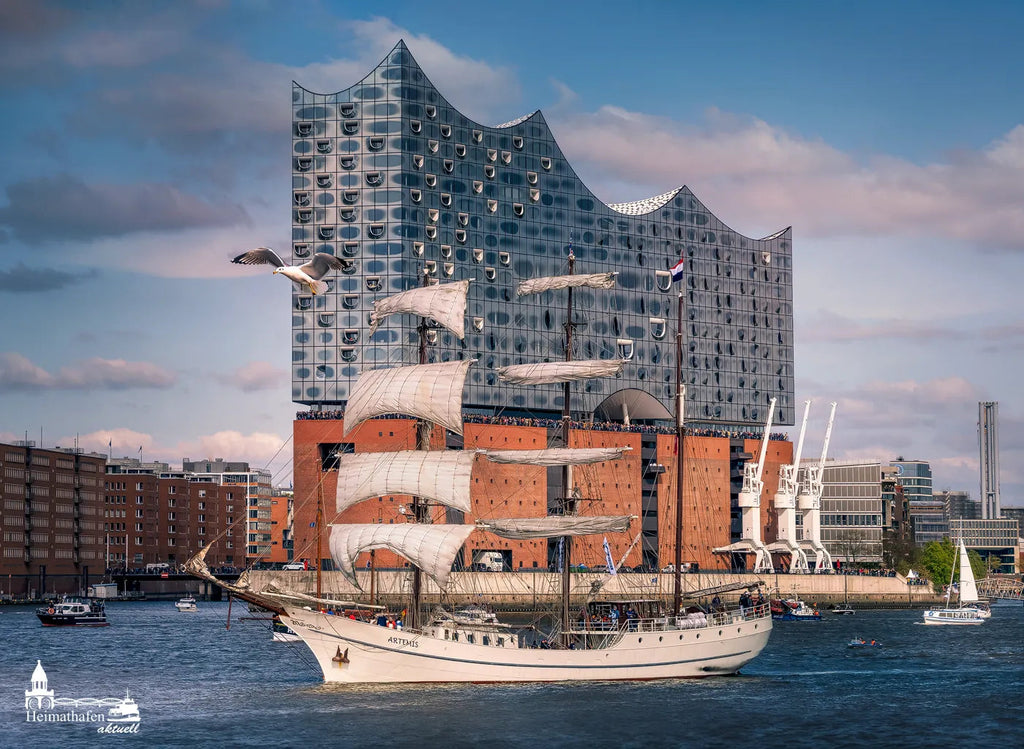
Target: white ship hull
{"x": 953, "y": 616}
{"x": 352, "y": 651}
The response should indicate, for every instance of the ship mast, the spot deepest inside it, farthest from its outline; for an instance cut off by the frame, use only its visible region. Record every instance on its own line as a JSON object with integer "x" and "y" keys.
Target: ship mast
{"x": 420, "y": 508}
{"x": 677, "y": 589}
{"x": 568, "y": 502}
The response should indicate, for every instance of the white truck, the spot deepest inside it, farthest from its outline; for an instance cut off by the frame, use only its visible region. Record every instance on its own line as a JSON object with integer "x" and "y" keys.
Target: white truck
{"x": 488, "y": 561}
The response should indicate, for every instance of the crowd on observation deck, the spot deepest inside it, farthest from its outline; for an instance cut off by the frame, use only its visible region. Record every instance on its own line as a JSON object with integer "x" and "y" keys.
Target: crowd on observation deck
{"x": 599, "y": 426}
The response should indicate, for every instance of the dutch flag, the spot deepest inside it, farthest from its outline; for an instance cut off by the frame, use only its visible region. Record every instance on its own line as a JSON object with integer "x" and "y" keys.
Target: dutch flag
{"x": 677, "y": 271}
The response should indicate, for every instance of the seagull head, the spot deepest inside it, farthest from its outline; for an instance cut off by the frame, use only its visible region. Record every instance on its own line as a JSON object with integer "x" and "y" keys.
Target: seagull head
{"x": 276, "y": 271}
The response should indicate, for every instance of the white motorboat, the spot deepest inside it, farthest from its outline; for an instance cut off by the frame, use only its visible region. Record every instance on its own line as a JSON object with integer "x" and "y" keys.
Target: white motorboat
{"x": 187, "y": 605}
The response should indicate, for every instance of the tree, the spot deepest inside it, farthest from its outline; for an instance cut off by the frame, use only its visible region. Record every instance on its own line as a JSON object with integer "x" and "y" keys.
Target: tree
{"x": 937, "y": 558}
{"x": 899, "y": 553}
{"x": 852, "y": 546}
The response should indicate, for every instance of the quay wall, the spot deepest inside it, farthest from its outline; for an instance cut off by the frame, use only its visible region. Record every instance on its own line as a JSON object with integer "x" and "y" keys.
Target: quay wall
{"x": 529, "y": 591}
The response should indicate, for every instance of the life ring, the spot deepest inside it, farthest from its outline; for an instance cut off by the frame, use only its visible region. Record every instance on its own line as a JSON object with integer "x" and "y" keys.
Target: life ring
{"x": 50, "y": 610}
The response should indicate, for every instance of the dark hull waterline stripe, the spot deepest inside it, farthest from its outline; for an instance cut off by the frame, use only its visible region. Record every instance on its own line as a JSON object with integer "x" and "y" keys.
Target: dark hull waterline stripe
{"x": 403, "y": 651}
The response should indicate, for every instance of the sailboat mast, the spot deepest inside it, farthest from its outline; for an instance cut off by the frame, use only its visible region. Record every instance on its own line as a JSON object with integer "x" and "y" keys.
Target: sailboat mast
{"x": 319, "y": 534}
{"x": 568, "y": 504}
{"x": 677, "y": 589}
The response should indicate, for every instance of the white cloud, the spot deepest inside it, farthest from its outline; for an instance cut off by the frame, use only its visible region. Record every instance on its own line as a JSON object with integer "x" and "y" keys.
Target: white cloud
{"x": 745, "y": 167}
{"x": 18, "y": 373}
{"x": 256, "y": 376}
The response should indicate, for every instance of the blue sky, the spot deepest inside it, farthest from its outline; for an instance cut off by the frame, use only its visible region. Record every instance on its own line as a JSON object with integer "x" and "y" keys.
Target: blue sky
{"x": 145, "y": 143}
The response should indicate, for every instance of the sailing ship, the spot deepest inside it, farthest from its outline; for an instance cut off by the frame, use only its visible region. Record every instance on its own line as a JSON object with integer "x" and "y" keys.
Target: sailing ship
{"x": 617, "y": 640}
{"x": 968, "y": 611}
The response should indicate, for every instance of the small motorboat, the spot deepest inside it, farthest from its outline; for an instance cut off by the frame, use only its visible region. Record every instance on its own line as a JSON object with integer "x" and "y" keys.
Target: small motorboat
{"x": 187, "y": 605}
{"x": 843, "y": 609}
{"x": 73, "y": 612}
{"x": 792, "y": 610}
{"x": 860, "y": 642}
{"x": 282, "y": 632}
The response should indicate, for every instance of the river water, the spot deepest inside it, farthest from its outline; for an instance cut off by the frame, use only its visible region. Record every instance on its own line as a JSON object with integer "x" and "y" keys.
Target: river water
{"x": 199, "y": 684}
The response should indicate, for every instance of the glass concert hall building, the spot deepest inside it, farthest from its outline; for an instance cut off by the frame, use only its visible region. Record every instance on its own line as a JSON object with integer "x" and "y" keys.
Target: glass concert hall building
{"x": 390, "y": 177}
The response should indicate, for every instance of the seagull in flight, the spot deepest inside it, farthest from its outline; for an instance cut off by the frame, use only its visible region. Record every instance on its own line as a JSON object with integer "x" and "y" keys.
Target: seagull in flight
{"x": 307, "y": 274}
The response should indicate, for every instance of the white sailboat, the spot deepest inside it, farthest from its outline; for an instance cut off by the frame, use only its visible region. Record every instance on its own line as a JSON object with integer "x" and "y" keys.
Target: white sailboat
{"x": 968, "y": 611}
{"x": 644, "y": 643}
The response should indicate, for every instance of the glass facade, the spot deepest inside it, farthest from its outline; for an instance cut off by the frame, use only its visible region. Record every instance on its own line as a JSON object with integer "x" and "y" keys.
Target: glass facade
{"x": 390, "y": 177}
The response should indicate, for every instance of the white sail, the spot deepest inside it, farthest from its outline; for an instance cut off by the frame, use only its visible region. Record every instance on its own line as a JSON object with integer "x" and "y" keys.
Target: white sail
{"x": 445, "y": 303}
{"x": 555, "y": 525}
{"x": 968, "y": 589}
{"x": 427, "y": 391}
{"x": 438, "y": 476}
{"x": 551, "y": 283}
{"x": 432, "y": 548}
{"x": 558, "y": 456}
{"x": 544, "y": 373}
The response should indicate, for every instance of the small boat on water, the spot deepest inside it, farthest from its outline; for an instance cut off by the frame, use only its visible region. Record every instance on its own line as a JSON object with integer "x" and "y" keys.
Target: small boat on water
{"x": 793, "y": 610}
{"x": 187, "y": 605}
{"x": 968, "y": 611}
{"x": 860, "y": 642}
{"x": 73, "y": 612}
{"x": 282, "y": 632}
{"x": 844, "y": 609}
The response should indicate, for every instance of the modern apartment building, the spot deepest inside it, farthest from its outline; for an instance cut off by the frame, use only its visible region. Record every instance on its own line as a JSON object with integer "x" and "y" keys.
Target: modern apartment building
{"x": 249, "y": 486}
{"x": 854, "y": 515}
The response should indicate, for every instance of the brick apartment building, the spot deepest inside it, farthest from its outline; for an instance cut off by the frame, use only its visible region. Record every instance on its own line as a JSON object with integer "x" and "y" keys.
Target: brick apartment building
{"x": 51, "y": 513}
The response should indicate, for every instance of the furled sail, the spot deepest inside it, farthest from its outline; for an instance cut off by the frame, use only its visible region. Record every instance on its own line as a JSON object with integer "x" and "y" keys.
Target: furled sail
{"x": 551, "y": 283}
{"x": 432, "y": 548}
{"x": 427, "y": 391}
{"x": 444, "y": 302}
{"x": 968, "y": 588}
{"x": 543, "y": 373}
{"x": 558, "y": 456}
{"x": 438, "y": 476}
{"x": 551, "y": 526}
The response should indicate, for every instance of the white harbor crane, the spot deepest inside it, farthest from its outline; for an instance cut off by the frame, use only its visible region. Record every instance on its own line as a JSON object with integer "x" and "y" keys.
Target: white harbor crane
{"x": 785, "y": 506}
{"x": 749, "y": 502}
{"x": 809, "y": 502}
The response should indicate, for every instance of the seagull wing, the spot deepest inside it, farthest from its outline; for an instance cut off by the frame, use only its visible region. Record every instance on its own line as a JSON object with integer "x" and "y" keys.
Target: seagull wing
{"x": 320, "y": 264}
{"x": 260, "y": 256}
